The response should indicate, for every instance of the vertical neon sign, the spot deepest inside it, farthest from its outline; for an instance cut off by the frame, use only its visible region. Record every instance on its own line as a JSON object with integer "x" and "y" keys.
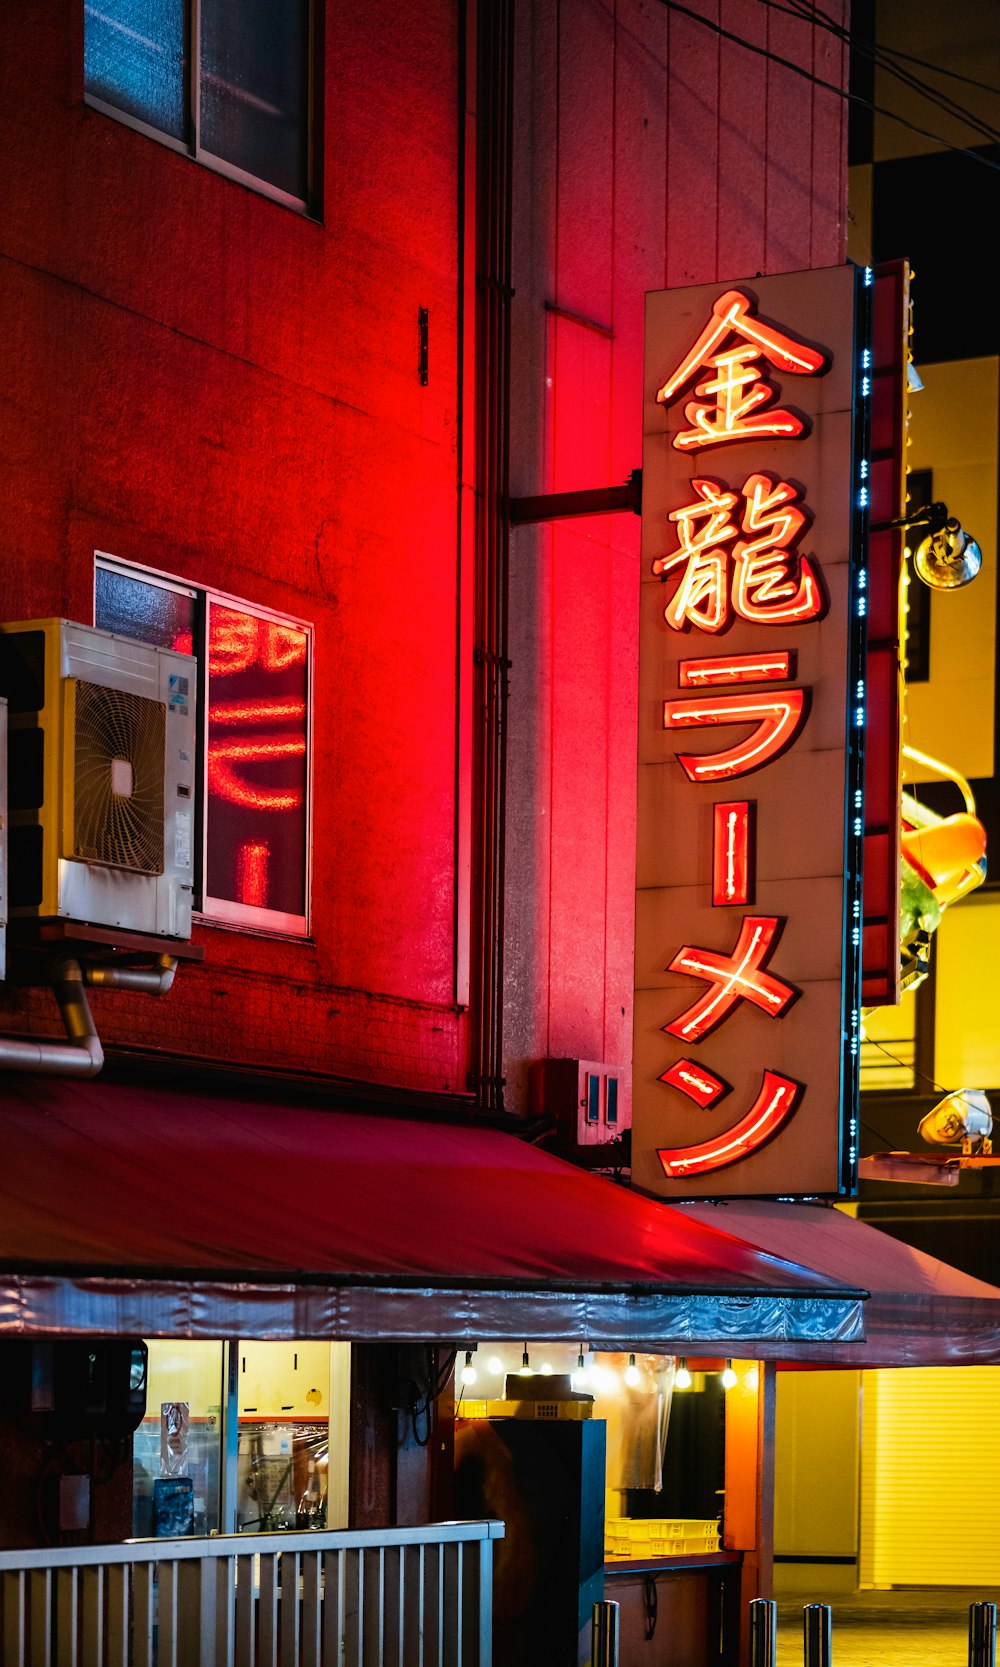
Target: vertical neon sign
{"x": 751, "y": 671}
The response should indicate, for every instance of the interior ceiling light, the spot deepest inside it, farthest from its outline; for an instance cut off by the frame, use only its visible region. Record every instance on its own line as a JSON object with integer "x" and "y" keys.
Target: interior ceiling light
{"x": 632, "y": 1374}
{"x": 729, "y": 1379}
{"x": 524, "y": 1370}
{"x": 682, "y": 1377}
{"x": 469, "y": 1373}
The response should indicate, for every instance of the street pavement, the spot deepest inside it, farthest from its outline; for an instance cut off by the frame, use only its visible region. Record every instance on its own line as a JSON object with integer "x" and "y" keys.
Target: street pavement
{"x": 914, "y": 1627}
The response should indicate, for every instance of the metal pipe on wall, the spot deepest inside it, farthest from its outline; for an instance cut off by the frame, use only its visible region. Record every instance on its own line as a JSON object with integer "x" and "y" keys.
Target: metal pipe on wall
{"x": 151, "y": 981}
{"x": 81, "y": 1055}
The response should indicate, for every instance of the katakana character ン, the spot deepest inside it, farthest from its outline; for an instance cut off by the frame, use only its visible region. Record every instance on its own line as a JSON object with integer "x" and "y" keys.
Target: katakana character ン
{"x": 772, "y": 585}
{"x": 772, "y": 1108}
{"x": 699, "y": 1084}
{"x": 702, "y": 596}
{"x": 777, "y": 719}
{"x": 732, "y": 978}
{"x": 735, "y": 402}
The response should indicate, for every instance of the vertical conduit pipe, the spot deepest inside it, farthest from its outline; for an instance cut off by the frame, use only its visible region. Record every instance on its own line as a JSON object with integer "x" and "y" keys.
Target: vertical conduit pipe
{"x": 982, "y": 1634}
{"x": 763, "y": 1632}
{"x": 495, "y": 100}
{"x": 817, "y": 1634}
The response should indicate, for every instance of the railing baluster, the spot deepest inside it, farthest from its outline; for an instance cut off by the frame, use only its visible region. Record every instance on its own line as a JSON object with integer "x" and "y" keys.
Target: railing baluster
{"x": 67, "y": 1616}
{"x": 267, "y": 1613}
{"x": 333, "y": 1607}
{"x": 144, "y": 1594}
{"x": 224, "y": 1624}
{"x": 311, "y": 1609}
{"x": 246, "y": 1612}
{"x": 40, "y": 1601}
{"x": 484, "y": 1605}
{"x": 118, "y": 1589}
{"x": 92, "y": 1617}
{"x": 15, "y": 1585}
{"x": 167, "y": 1616}
{"x": 290, "y": 1609}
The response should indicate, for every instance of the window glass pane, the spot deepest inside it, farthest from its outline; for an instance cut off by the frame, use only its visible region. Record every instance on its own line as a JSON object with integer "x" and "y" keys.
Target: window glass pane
{"x": 180, "y": 1437}
{"x": 254, "y": 108}
{"x": 134, "y": 59}
{"x": 257, "y": 685}
{"x": 135, "y": 608}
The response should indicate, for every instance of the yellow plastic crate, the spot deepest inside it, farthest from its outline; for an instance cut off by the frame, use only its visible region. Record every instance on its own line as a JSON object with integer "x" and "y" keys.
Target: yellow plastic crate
{"x": 541, "y": 1411}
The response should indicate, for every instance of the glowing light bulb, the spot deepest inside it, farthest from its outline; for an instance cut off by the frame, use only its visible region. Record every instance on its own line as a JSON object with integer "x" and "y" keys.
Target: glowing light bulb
{"x": 682, "y": 1377}
{"x": 546, "y": 1369}
{"x": 729, "y": 1378}
{"x": 524, "y": 1370}
{"x": 494, "y": 1365}
{"x": 469, "y": 1373}
{"x": 633, "y": 1375}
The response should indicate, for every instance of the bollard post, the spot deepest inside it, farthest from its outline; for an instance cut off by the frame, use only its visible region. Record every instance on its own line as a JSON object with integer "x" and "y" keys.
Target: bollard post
{"x": 763, "y": 1632}
{"x": 817, "y": 1634}
{"x": 982, "y": 1634}
{"x": 604, "y": 1642}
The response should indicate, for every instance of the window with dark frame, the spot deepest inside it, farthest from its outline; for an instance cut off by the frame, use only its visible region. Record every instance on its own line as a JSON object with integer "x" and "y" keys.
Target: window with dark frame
{"x": 228, "y": 84}
{"x": 254, "y": 678}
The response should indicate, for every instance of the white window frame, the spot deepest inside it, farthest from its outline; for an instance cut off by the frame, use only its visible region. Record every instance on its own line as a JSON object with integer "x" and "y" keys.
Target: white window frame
{"x": 221, "y": 911}
{"x": 306, "y": 205}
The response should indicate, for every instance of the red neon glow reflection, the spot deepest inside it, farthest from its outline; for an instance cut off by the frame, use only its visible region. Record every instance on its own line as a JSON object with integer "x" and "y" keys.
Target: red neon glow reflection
{"x": 737, "y": 668}
{"x": 700, "y": 1085}
{"x": 773, "y": 1107}
{"x": 732, "y": 978}
{"x": 252, "y": 862}
{"x": 731, "y": 850}
{"x": 735, "y": 402}
{"x": 777, "y": 720}
{"x": 241, "y": 642}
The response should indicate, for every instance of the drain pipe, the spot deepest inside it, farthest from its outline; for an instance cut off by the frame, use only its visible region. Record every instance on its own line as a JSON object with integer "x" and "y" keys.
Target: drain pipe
{"x": 81, "y": 1055}
{"x": 151, "y": 981}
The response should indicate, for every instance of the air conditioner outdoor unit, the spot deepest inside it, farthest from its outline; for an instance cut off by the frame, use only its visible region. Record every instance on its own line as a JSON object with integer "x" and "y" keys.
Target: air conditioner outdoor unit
{"x": 101, "y": 766}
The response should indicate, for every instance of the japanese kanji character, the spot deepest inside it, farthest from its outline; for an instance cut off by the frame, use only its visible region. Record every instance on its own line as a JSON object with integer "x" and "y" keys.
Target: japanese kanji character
{"x": 767, "y": 589}
{"x": 728, "y": 404}
{"x": 702, "y": 597}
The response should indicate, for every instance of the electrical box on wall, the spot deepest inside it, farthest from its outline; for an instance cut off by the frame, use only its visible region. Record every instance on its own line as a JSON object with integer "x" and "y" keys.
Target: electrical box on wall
{"x": 101, "y": 778}
{"x": 590, "y": 1100}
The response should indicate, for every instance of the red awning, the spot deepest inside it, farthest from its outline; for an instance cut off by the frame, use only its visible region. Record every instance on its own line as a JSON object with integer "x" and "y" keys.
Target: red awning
{"x": 920, "y": 1311}
{"x": 145, "y": 1211}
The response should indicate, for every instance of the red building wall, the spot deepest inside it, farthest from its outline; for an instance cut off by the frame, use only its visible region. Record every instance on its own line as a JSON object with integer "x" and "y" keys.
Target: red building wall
{"x": 202, "y": 381}
{"x": 651, "y": 151}
{"x": 199, "y": 380}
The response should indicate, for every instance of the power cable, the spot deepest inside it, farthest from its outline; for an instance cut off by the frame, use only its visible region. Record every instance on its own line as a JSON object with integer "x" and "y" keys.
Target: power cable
{"x": 827, "y": 86}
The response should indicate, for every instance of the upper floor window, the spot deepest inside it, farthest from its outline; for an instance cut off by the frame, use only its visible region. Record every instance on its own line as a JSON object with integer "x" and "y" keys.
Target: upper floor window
{"x": 227, "y": 83}
{"x": 253, "y": 770}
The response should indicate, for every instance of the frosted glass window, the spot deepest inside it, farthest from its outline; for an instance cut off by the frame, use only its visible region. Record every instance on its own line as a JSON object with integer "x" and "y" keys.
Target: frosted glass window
{"x": 227, "y": 83}
{"x": 134, "y": 55}
{"x": 254, "y": 103}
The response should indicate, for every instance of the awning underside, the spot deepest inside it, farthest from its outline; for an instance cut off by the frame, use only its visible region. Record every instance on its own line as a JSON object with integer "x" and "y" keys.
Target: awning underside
{"x": 138, "y": 1210}
{"x": 920, "y": 1312}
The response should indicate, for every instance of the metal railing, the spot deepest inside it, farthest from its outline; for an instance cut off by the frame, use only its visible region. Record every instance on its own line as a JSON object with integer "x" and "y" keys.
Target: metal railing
{"x": 397, "y": 1597}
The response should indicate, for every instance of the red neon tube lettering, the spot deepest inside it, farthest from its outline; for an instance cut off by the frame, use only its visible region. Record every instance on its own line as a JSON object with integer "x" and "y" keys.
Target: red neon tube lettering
{"x": 773, "y": 1107}
{"x": 735, "y": 668}
{"x": 731, "y": 853}
{"x": 699, "y": 1084}
{"x": 776, "y": 718}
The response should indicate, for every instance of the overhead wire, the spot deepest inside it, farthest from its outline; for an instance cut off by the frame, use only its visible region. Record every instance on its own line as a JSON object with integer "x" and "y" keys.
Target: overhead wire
{"x": 827, "y": 86}
{"x": 881, "y": 56}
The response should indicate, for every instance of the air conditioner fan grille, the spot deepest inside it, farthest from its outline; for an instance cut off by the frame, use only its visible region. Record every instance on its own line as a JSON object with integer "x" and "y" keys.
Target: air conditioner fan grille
{"x": 118, "y": 781}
